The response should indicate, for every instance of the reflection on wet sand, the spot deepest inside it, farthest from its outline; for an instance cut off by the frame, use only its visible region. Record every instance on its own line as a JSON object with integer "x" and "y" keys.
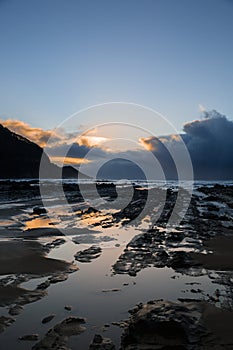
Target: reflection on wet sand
{"x": 38, "y": 223}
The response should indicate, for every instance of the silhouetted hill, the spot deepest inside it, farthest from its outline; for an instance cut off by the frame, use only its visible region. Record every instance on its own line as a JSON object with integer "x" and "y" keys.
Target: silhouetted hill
{"x": 20, "y": 158}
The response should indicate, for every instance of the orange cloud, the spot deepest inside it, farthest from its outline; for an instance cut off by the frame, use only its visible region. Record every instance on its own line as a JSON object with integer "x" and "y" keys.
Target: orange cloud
{"x": 91, "y": 141}
{"x": 152, "y": 143}
{"x": 59, "y": 160}
{"x": 37, "y": 135}
{"x": 147, "y": 144}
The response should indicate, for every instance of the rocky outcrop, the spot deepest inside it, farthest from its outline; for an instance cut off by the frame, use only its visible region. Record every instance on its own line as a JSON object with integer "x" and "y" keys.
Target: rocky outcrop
{"x": 57, "y": 336}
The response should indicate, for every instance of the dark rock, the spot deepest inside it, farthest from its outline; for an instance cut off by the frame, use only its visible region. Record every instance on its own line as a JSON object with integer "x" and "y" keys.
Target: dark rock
{"x": 39, "y": 211}
{"x": 175, "y": 237}
{"x": 58, "y": 278}
{"x": 68, "y": 308}
{"x": 164, "y": 325}
{"x": 5, "y": 322}
{"x": 15, "y": 310}
{"x": 43, "y": 285}
{"x": 29, "y": 337}
{"x": 100, "y": 343}
{"x": 57, "y": 336}
{"x": 89, "y": 254}
{"x": 180, "y": 260}
{"x": 48, "y": 319}
{"x": 91, "y": 210}
{"x": 56, "y": 243}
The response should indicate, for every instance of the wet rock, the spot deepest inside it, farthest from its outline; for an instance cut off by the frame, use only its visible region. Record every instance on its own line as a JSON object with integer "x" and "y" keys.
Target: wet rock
{"x": 31, "y": 297}
{"x": 47, "y": 319}
{"x": 91, "y": 239}
{"x": 211, "y": 198}
{"x": 121, "y": 324}
{"x": 164, "y": 325}
{"x": 88, "y": 255}
{"x": 198, "y": 290}
{"x": 68, "y": 308}
{"x": 43, "y": 285}
{"x": 142, "y": 251}
{"x": 70, "y": 326}
{"x": 56, "y": 243}
{"x": 5, "y": 322}
{"x": 29, "y": 337}
{"x": 91, "y": 210}
{"x": 111, "y": 290}
{"x": 189, "y": 300}
{"x": 100, "y": 343}
{"x": 175, "y": 237}
{"x": 15, "y": 310}
{"x": 210, "y": 216}
{"x": 180, "y": 260}
{"x": 39, "y": 210}
{"x": 57, "y": 336}
{"x": 59, "y": 278}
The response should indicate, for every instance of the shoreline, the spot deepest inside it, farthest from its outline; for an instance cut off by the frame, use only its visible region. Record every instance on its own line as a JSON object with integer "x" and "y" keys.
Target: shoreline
{"x": 194, "y": 262}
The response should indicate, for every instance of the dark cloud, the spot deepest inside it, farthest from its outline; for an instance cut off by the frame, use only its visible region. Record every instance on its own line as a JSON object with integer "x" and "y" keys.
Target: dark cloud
{"x": 210, "y": 144}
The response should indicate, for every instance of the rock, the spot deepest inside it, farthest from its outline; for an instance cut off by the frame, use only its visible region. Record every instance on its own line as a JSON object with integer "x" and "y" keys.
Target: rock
{"x": 100, "y": 343}
{"x": 56, "y": 243}
{"x": 111, "y": 290}
{"x": 57, "y": 336}
{"x": 5, "y": 322}
{"x": 47, "y": 319}
{"x": 31, "y": 296}
{"x": 89, "y": 254}
{"x": 175, "y": 237}
{"x": 70, "y": 326}
{"x": 164, "y": 325}
{"x": 91, "y": 210}
{"x": 58, "y": 278}
{"x": 121, "y": 324}
{"x": 39, "y": 210}
{"x": 198, "y": 290}
{"x": 29, "y": 337}
{"x": 68, "y": 308}
{"x": 180, "y": 260}
{"x": 43, "y": 285}
{"x": 15, "y": 310}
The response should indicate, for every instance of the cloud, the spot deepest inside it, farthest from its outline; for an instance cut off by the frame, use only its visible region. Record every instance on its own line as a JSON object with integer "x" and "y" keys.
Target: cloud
{"x": 36, "y": 135}
{"x": 91, "y": 141}
{"x": 209, "y": 142}
{"x": 59, "y": 160}
{"x": 63, "y": 147}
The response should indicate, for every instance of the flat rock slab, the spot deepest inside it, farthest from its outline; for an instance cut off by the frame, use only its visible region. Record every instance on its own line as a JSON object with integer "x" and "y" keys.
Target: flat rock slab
{"x": 89, "y": 254}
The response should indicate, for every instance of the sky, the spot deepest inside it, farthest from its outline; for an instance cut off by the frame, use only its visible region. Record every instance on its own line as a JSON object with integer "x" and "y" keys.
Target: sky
{"x": 60, "y": 56}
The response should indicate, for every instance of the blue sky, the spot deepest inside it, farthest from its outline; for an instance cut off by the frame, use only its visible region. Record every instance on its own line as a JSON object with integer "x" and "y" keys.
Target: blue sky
{"x": 59, "y": 56}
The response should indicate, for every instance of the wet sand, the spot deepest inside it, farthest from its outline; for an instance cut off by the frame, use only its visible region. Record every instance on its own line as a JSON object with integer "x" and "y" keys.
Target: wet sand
{"x": 27, "y": 257}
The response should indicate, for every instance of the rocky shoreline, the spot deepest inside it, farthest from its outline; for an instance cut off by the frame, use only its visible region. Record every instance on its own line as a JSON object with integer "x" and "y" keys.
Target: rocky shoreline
{"x": 200, "y": 246}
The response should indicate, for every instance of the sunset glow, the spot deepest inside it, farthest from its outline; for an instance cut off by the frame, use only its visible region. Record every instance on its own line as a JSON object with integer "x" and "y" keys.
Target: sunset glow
{"x": 69, "y": 160}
